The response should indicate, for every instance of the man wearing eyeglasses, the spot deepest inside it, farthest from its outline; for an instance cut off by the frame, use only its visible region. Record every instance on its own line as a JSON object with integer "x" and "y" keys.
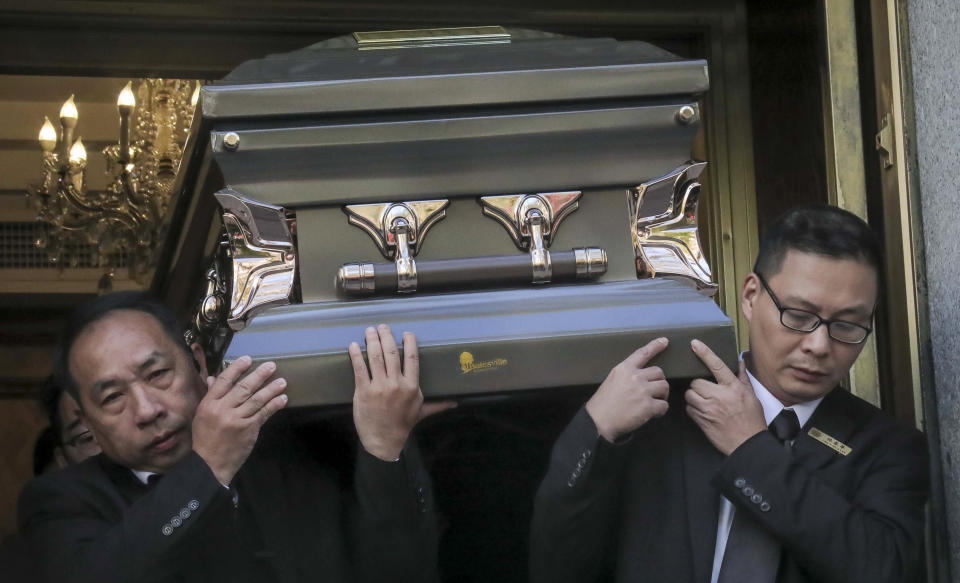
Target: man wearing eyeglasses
{"x": 75, "y": 440}
{"x": 771, "y": 474}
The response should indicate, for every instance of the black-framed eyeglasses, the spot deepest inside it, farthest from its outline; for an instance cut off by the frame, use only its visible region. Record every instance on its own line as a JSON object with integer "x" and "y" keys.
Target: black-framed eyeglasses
{"x": 804, "y": 321}
{"x": 83, "y": 440}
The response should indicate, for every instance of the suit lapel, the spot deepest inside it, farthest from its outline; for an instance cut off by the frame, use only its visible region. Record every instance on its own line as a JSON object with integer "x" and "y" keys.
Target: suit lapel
{"x": 129, "y": 487}
{"x": 700, "y": 463}
{"x": 835, "y": 417}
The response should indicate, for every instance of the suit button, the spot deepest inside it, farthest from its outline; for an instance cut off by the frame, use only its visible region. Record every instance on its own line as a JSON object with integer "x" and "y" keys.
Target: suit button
{"x": 167, "y": 530}
{"x": 747, "y": 491}
{"x": 184, "y": 513}
{"x": 571, "y": 482}
{"x": 756, "y": 498}
{"x": 193, "y": 505}
{"x": 739, "y": 483}
{"x": 581, "y": 463}
{"x": 175, "y": 522}
{"x": 587, "y": 454}
{"x": 765, "y": 507}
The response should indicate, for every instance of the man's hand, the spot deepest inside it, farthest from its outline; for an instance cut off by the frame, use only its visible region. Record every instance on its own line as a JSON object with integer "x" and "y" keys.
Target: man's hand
{"x": 387, "y": 401}
{"x": 228, "y": 419}
{"x": 631, "y": 394}
{"x": 727, "y": 411}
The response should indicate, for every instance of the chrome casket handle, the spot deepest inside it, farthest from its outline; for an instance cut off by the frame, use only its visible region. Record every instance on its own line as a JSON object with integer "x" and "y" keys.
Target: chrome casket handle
{"x": 582, "y": 263}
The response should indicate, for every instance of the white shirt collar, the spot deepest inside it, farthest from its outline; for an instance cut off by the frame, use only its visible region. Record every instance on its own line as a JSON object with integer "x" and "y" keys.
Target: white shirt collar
{"x": 143, "y": 476}
{"x": 772, "y": 405}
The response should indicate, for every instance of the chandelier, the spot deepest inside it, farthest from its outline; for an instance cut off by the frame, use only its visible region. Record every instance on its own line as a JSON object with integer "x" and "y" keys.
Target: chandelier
{"x": 120, "y": 225}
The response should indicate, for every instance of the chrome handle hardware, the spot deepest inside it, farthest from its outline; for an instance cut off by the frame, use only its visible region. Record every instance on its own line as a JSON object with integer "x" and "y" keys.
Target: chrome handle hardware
{"x": 539, "y": 256}
{"x": 259, "y": 246}
{"x": 398, "y": 229}
{"x": 532, "y": 221}
{"x": 406, "y": 266}
{"x": 664, "y": 215}
{"x": 212, "y": 304}
{"x": 357, "y": 278}
{"x": 513, "y": 211}
{"x": 590, "y": 262}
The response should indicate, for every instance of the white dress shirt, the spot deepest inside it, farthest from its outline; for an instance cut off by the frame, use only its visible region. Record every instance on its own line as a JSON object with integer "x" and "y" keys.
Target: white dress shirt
{"x": 771, "y": 408}
{"x": 143, "y": 476}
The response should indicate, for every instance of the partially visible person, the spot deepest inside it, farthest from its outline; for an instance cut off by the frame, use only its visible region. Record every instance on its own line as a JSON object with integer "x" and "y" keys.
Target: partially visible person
{"x": 198, "y": 481}
{"x": 74, "y": 442}
{"x": 45, "y": 451}
{"x": 66, "y": 441}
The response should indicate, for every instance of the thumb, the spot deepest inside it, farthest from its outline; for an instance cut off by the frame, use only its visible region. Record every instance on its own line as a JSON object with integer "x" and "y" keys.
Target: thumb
{"x": 428, "y": 409}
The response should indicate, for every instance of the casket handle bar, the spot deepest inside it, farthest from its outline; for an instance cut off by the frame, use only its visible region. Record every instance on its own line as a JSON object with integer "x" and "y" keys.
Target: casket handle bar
{"x": 530, "y": 219}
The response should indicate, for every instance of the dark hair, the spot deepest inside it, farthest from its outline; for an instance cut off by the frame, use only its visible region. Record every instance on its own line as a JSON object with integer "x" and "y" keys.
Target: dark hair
{"x": 821, "y": 229}
{"x": 101, "y": 307}
{"x": 43, "y": 450}
{"x": 50, "y": 394}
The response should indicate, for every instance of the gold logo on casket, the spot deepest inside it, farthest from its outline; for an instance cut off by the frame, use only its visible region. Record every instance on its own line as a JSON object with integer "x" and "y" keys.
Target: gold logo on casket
{"x": 831, "y": 442}
{"x": 468, "y": 364}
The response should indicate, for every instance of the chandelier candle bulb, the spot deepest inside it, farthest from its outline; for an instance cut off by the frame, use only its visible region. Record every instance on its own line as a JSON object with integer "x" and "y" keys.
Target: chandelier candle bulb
{"x": 48, "y": 137}
{"x": 78, "y": 163}
{"x": 78, "y": 153}
{"x": 68, "y": 121}
{"x": 125, "y": 104}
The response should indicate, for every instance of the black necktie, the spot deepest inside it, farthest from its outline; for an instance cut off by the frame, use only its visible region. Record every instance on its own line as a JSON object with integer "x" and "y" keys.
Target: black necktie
{"x": 785, "y": 426}
{"x": 752, "y": 554}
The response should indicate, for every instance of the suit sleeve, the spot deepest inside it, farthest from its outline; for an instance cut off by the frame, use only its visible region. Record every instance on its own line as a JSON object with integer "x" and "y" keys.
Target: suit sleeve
{"x": 574, "y": 518}
{"x": 394, "y": 526}
{"x": 73, "y": 538}
{"x": 873, "y": 537}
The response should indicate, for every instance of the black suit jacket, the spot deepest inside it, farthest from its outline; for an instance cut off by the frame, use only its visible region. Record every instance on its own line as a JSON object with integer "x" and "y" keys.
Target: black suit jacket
{"x": 647, "y": 510}
{"x": 287, "y": 518}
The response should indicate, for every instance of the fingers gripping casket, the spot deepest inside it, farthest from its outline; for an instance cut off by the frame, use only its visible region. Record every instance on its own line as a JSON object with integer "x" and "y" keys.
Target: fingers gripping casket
{"x": 523, "y": 202}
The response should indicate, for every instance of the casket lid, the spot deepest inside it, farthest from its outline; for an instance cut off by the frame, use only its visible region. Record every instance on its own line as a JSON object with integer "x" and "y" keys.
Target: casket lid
{"x": 335, "y": 76}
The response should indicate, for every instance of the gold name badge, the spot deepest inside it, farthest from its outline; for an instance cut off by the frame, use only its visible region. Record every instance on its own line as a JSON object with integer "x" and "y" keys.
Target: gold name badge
{"x": 831, "y": 442}
{"x": 469, "y": 365}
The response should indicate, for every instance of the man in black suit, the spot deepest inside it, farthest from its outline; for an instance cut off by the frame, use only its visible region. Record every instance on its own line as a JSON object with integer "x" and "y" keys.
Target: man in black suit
{"x": 194, "y": 484}
{"x": 644, "y": 486}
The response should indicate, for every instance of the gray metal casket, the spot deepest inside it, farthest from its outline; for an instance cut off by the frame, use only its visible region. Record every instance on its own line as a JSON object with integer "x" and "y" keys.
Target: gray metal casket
{"x": 523, "y": 202}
